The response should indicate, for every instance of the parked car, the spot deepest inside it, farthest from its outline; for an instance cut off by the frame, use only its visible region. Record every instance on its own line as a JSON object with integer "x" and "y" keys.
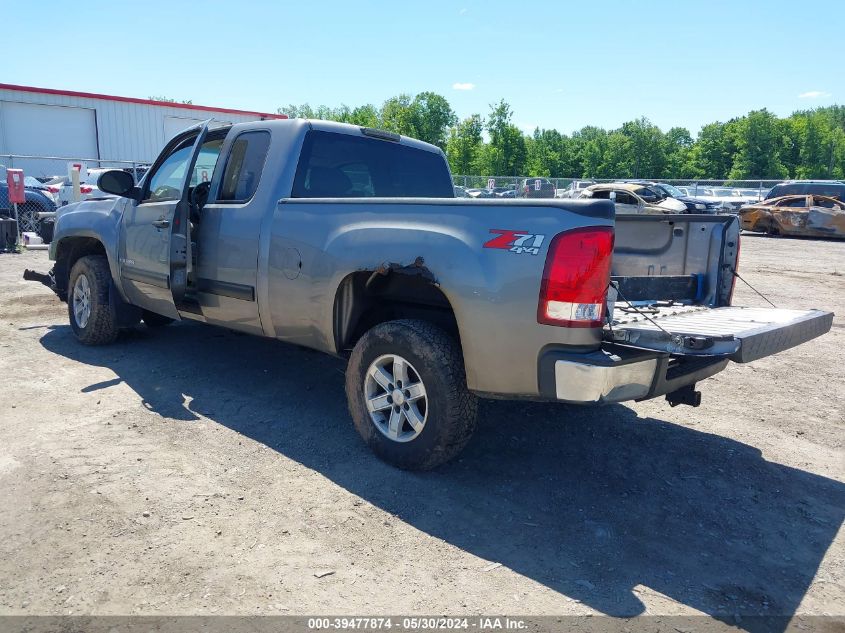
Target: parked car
{"x": 461, "y": 192}
{"x": 574, "y": 190}
{"x": 507, "y": 191}
{"x": 37, "y": 202}
{"x": 804, "y": 215}
{"x": 724, "y": 198}
{"x": 480, "y": 193}
{"x": 537, "y": 188}
{"x": 416, "y": 292}
{"x": 831, "y": 188}
{"x": 693, "y": 205}
{"x": 634, "y": 198}
{"x": 87, "y": 187}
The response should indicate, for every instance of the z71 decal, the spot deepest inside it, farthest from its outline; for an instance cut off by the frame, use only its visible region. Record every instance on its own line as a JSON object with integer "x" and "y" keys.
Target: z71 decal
{"x": 516, "y": 241}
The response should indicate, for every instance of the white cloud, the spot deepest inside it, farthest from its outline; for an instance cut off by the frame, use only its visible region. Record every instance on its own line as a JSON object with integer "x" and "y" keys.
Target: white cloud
{"x": 557, "y": 90}
{"x": 464, "y": 86}
{"x": 813, "y": 94}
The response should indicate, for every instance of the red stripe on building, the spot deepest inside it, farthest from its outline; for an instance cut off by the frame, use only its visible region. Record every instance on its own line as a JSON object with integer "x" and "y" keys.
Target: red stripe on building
{"x": 161, "y": 104}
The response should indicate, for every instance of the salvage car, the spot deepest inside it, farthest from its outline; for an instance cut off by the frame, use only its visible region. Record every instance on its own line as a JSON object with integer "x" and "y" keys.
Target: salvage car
{"x": 807, "y": 216}
{"x": 694, "y": 205}
{"x": 633, "y": 198}
{"x": 349, "y": 240}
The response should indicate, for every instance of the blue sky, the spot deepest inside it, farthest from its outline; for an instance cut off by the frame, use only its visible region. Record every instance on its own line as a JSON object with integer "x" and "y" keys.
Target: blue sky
{"x": 558, "y": 64}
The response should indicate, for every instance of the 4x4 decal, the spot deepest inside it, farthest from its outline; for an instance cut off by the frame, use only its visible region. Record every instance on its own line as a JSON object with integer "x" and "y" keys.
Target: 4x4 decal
{"x": 516, "y": 241}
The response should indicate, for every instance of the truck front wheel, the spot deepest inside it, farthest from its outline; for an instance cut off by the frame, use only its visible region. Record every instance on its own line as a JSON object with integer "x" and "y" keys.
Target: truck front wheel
{"x": 407, "y": 394}
{"x": 91, "y": 316}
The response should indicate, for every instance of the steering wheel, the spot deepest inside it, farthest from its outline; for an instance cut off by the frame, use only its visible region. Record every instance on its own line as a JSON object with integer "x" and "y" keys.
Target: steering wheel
{"x": 166, "y": 192}
{"x": 199, "y": 196}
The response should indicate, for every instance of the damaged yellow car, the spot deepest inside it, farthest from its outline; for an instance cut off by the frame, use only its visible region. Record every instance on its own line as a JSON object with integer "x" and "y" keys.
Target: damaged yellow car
{"x": 806, "y": 216}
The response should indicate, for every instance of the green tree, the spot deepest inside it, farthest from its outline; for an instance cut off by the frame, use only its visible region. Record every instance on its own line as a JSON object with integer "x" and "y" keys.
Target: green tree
{"x": 397, "y": 115}
{"x": 432, "y": 116}
{"x": 678, "y": 144}
{"x": 507, "y": 152}
{"x": 757, "y": 142}
{"x": 464, "y": 145}
{"x": 712, "y": 154}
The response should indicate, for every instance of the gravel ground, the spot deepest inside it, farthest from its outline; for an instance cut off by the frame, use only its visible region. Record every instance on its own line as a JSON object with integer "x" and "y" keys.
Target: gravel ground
{"x": 193, "y": 470}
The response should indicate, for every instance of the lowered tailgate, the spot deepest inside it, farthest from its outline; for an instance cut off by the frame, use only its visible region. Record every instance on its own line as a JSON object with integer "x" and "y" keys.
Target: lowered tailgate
{"x": 741, "y": 334}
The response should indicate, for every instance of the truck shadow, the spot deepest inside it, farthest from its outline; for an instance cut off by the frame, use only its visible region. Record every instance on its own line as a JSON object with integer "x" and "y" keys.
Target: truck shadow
{"x": 596, "y": 504}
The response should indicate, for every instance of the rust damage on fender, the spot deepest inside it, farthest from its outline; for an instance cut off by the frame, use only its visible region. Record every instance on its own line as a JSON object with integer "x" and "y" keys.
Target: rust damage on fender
{"x": 802, "y": 215}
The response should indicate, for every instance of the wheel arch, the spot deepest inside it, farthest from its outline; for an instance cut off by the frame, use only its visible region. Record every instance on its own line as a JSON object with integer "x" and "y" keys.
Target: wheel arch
{"x": 364, "y": 299}
{"x": 69, "y": 250}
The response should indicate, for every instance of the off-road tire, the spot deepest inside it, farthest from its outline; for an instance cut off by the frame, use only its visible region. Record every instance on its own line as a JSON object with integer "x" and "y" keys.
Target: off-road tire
{"x": 101, "y": 328}
{"x": 452, "y": 409}
{"x": 153, "y": 320}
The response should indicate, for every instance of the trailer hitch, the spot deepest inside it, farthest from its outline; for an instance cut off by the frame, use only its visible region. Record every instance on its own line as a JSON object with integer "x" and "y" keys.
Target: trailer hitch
{"x": 684, "y": 395}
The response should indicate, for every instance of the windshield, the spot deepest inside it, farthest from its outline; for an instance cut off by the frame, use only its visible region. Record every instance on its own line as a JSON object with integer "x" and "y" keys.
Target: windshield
{"x": 672, "y": 191}
{"x": 29, "y": 181}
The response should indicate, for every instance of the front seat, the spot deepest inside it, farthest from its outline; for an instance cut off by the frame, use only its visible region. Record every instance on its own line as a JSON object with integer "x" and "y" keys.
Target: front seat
{"x": 328, "y": 182}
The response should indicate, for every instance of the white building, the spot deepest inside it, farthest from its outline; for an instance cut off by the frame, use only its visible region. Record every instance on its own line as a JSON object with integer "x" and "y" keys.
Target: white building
{"x": 81, "y": 126}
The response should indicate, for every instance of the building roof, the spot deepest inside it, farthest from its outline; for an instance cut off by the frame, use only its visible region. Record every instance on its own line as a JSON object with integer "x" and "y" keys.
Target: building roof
{"x": 150, "y": 102}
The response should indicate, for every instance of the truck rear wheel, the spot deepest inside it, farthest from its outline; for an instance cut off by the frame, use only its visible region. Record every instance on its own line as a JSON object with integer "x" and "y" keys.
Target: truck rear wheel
{"x": 407, "y": 394}
{"x": 91, "y": 316}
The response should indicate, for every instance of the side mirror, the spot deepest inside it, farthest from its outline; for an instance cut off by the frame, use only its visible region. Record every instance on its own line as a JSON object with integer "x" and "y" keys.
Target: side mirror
{"x": 612, "y": 196}
{"x": 119, "y": 183}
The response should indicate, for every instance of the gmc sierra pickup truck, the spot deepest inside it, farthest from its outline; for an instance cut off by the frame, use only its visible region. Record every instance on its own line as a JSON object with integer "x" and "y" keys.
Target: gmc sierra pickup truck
{"x": 349, "y": 240}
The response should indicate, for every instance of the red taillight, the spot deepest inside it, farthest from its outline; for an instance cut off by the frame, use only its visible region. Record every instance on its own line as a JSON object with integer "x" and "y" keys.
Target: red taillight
{"x": 52, "y": 189}
{"x": 86, "y": 189}
{"x": 576, "y": 277}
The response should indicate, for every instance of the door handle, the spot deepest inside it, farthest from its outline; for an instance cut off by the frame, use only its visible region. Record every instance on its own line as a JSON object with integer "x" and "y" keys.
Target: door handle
{"x": 161, "y": 224}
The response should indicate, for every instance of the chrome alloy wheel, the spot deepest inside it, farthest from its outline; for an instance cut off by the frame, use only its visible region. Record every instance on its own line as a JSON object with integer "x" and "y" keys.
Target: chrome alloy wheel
{"x": 81, "y": 301}
{"x": 396, "y": 398}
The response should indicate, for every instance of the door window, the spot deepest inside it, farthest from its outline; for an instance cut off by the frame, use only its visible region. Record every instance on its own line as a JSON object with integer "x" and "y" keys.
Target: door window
{"x": 798, "y": 201}
{"x": 165, "y": 183}
{"x": 244, "y": 166}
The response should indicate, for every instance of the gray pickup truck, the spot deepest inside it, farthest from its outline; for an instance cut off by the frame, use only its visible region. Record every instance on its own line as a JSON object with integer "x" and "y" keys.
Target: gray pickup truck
{"x": 349, "y": 240}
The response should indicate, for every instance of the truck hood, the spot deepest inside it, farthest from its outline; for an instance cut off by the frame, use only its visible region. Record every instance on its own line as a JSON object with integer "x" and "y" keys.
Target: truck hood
{"x": 672, "y": 204}
{"x": 102, "y": 206}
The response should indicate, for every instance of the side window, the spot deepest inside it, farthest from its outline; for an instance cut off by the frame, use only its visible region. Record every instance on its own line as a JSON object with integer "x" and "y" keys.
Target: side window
{"x": 166, "y": 182}
{"x": 206, "y": 161}
{"x": 623, "y": 197}
{"x": 244, "y": 166}
{"x": 798, "y": 201}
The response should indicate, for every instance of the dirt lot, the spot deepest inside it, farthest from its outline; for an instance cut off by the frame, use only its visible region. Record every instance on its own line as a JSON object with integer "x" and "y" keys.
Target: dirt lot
{"x": 193, "y": 470}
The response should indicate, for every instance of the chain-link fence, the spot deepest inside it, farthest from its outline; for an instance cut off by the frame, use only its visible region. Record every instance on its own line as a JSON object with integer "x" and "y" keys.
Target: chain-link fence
{"x": 49, "y": 183}
{"x": 501, "y": 185}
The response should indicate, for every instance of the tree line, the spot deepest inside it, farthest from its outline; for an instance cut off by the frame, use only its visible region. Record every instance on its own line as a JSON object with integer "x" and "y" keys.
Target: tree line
{"x": 758, "y": 145}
